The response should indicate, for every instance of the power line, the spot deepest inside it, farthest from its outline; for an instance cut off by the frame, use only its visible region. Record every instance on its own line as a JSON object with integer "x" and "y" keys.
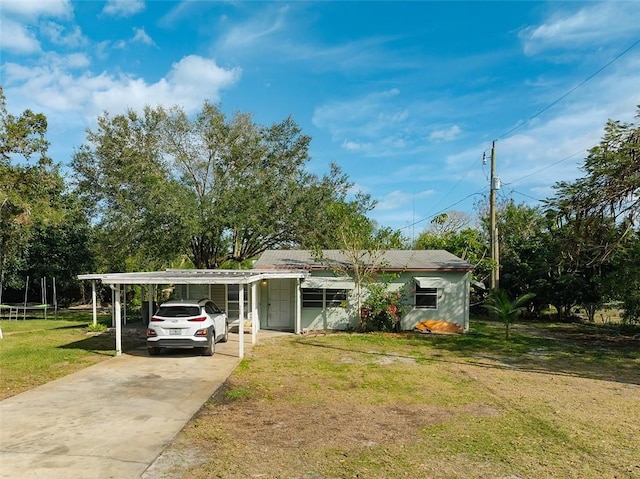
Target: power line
{"x": 446, "y": 208}
{"x": 546, "y": 167}
{"x": 572, "y": 90}
{"x": 528, "y": 196}
{"x": 558, "y": 100}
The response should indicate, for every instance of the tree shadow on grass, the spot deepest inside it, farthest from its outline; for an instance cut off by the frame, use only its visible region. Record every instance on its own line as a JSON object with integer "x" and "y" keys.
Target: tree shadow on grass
{"x": 72, "y": 326}
{"x": 609, "y": 354}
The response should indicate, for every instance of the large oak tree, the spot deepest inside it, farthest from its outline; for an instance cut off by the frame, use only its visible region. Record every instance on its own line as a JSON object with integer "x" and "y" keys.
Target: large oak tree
{"x": 219, "y": 190}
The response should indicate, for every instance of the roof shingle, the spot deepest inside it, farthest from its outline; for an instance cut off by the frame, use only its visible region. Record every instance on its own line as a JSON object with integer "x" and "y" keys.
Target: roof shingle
{"x": 394, "y": 260}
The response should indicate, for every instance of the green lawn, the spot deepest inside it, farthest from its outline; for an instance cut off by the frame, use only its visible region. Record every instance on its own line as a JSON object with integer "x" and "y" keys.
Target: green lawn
{"x": 556, "y": 401}
{"x": 35, "y": 351}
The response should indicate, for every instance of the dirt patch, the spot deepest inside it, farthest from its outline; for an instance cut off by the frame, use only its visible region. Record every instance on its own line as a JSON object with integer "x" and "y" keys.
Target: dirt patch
{"x": 313, "y": 426}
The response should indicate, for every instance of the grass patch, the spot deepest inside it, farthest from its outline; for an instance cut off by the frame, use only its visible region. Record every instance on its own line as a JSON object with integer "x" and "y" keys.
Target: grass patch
{"x": 36, "y": 351}
{"x": 551, "y": 402}
{"x": 557, "y": 400}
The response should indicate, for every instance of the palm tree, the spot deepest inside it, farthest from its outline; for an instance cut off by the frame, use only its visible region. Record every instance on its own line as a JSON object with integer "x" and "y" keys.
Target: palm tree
{"x": 500, "y": 306}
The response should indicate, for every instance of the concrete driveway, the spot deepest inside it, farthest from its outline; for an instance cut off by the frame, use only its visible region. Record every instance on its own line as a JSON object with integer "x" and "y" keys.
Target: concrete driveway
{"x": 112, "y": 419}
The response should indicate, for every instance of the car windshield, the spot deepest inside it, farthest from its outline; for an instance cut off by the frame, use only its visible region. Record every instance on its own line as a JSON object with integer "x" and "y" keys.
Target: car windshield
{"x": 178, "y": 311}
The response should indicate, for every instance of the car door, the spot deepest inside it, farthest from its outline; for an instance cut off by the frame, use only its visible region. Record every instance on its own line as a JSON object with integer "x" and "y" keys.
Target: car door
{"x": 218, "y": 318}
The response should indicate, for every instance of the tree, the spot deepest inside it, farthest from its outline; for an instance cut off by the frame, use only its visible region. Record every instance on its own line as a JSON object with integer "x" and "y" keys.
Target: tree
{"x": 598, "y": 213}
{"x": 451, "y": 232}
{"x": 24, "y": 188}
{"x": 61, "y": 251}
{"x": 468, "y": 244}
{"x": 42, "y": 229}
{"x": 610, "y": 188}
{"x": 449, "y": 223}
{"x": 501, "y": 307}
{"x": 23, "y": 135}
{"x": 525, "y": 250}
{"x": 362, "y": 243}
{"x": 218, "y": 190}
{"x": 623, "y": 281}
{"x": 128, "y": 191}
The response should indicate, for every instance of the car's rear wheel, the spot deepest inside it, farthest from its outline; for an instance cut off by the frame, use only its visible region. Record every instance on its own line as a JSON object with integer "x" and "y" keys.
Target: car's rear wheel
{"x": 210, "y": 349}
{"x": 153, "y": 351}
{"x": 225, "y": 338}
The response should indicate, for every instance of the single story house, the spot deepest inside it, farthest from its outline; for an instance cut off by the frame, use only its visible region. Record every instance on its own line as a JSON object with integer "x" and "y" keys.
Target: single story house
{"x": 435, "y": 284}
{"x": 288, "y": 290}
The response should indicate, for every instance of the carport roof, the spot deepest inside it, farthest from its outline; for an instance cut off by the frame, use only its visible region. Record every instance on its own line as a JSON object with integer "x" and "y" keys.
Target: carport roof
{"x": 195, "y": 276}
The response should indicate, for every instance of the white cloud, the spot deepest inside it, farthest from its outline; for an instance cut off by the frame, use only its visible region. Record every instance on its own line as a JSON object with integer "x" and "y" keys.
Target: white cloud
{"x": 77, "y": 61}
{"x": 447, "y": 134}
{"x": 142, "y": 37}
{"x": 355, "y": 146}
{"x": 58, "y": 35}
{"x": 596, "y": 23}
{"x": 19, "y": 20}
{"x": 123, "y": 8}
{"x": 381, "y": 124}
{"x": 256, "y": 30}
{"x": 364, "y": 116}
{"x": 401, "y": 199}
{"x": 34, "y": 9}
{"x": 18, "y": 38}
{"x": 53, "y": 88}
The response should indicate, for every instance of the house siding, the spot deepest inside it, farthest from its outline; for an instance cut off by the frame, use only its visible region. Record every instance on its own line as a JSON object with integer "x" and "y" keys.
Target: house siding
{"x": 453, "y": 300}
{"x": 453, "y": 304}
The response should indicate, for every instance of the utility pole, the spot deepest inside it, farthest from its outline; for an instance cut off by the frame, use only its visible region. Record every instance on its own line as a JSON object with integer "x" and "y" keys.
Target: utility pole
{"x": 495, "y": 254}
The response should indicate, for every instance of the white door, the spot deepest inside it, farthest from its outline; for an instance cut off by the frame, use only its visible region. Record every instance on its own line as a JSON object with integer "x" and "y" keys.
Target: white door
{"x": 279, "y": 316}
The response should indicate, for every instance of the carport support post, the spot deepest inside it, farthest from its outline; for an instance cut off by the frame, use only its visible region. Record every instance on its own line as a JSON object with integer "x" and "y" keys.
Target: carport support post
{"x": 113, "y": 305}
{"x": 241, "y": 321}
{"x": 118, "y": 319}
{"x": 254, "y": 313}
{"x": 151, "y": 295}
{"x": 94, "y": 301}
{"x": 298, "y": 306}
{"x": 124, "y": 303}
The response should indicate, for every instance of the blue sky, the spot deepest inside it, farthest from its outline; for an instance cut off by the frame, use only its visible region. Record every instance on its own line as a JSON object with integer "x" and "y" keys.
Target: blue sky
{"x": 404, "y": 96}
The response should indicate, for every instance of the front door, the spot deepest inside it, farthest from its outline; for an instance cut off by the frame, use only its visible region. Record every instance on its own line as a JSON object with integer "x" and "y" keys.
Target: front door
{"x": 279, "y": 316}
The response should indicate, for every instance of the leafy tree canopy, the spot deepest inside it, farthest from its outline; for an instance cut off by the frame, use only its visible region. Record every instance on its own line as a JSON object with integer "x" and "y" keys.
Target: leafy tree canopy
{"x": 41, "y": 226}
{"x": 213, "y": 188}
{"x": 610, "y": 189}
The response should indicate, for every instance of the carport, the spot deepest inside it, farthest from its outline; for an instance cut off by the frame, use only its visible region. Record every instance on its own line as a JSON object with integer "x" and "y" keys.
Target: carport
{"x": 242, "y": 278}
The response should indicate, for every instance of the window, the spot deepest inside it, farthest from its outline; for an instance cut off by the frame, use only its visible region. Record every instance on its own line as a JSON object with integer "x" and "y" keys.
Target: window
{"x": 211, "y": 308}
{"x": 323, "y": 298}
{"x": 335, "y": 298}
{"x": 178, "y": 311}
{"x": 426, "y": 298}
{"x": 312, "y": 298}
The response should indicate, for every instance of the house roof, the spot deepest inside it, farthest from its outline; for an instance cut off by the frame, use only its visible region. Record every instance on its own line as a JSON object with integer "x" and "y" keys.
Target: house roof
{"x": 393, "y": 260}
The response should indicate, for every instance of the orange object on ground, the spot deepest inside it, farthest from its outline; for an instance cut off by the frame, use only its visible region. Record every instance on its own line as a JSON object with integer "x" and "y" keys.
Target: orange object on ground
{"x": 433, "y": 326}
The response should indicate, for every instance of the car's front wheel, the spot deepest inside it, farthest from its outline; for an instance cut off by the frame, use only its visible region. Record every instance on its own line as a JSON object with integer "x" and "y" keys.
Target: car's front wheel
{"x": 225, "y": 337}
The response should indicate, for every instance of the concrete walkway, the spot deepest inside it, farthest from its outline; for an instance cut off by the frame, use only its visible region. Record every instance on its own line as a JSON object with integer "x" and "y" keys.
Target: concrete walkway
{"x": 110, "y": 420}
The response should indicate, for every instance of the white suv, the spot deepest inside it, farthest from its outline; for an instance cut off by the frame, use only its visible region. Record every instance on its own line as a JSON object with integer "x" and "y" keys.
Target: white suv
{"x": 187, "y": 324}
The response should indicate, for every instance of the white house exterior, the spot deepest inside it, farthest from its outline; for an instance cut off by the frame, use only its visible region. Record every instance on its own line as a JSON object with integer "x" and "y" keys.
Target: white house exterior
{"x": 287, "y": 290}
{"x": 435, "y": 284}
